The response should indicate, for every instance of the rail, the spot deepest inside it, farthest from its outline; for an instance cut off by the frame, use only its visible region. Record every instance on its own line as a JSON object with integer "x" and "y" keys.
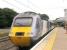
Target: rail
{"x": 10, "y": 47}
{"x": 6, "y": 44}
{"x": 4, "y": 39}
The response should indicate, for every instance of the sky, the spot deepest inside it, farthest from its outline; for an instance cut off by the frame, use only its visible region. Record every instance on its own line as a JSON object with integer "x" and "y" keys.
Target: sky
{"x": 53, "y": 8}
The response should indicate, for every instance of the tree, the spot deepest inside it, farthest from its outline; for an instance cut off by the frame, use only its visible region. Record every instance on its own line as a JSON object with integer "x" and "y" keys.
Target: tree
{"x": 6, "y": 17}
{"x": 59, "y": 21}
{"x": 44, "y": 17}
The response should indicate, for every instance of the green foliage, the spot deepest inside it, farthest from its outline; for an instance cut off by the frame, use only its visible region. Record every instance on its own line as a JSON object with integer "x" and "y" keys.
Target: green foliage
{"x": 6, "y": 17}
{"x": 59, "y": 22}
{"x": 44, "y": 17}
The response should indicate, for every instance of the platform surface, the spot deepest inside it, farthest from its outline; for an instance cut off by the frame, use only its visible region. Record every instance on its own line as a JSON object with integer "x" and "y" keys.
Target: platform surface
{"x": 61, "y": 40}
{"x": 56, "y": 40}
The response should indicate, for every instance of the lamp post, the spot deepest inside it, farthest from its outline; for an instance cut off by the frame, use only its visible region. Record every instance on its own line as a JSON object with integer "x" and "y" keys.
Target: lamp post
{"x": 65, "y": 16}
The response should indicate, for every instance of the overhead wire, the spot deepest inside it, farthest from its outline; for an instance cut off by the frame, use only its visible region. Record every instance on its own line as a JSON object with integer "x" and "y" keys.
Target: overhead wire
{"x": 33, "y": 4}
{"x": 11, "y": 4}
{"x": 42, "y": 9}
{"x": 27, "y": 6}
{"x": 24, "y": 5}
{"x": 36, "y": 6}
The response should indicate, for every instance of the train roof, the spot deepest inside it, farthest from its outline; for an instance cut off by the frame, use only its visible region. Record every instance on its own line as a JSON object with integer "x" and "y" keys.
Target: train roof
{"x": 27, "y": 14}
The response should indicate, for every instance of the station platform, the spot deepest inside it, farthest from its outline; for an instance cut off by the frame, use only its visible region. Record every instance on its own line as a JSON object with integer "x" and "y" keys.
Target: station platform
{"x": 55, "y": 40}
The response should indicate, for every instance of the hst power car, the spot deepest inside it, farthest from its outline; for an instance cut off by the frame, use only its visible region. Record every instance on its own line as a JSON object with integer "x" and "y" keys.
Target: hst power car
{"x": 27, "y": 27}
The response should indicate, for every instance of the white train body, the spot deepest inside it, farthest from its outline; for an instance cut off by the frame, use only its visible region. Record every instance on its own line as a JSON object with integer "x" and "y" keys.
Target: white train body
{"x": 23, "y": 32}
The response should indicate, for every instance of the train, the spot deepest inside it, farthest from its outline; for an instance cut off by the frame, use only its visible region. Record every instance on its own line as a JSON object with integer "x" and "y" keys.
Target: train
{"x": 26, "y": 28}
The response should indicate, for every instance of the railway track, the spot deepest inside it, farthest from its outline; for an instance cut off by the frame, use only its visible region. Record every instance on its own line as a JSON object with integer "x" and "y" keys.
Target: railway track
{"x": 2, "y": 39}
{"x": 5, "y": 44}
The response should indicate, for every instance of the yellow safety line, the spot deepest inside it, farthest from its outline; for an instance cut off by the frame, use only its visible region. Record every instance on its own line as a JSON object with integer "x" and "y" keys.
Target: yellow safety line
{"x": 51, "y": 40}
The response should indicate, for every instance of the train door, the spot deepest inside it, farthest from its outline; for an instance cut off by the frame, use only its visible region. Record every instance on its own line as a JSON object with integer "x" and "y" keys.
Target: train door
{"x": 38, "y": 27}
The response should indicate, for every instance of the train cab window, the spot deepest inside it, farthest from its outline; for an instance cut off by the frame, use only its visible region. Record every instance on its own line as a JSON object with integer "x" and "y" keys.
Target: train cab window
{"x": 23, "y": 21}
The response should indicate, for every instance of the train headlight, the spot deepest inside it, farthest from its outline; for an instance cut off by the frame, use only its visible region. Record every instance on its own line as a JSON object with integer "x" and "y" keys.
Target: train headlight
{"x": 10, "y": 34}
{"x": 30, "y": 34}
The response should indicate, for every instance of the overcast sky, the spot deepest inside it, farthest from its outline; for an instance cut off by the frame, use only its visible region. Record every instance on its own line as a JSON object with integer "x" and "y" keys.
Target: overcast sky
{"x": 53, "y": 8}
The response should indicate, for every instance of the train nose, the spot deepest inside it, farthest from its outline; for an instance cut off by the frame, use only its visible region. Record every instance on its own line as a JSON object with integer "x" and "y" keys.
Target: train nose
{"x": 20, "y": 36}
